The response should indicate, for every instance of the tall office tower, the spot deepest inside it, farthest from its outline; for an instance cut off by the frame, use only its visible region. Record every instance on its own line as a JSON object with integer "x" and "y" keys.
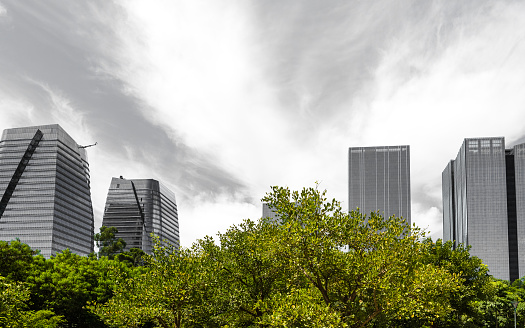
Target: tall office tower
{"x": 139, "y": 207}
{"x": 484, "y": 203}
{"x": 269, "y": 212}
{"x": 44, "y": 184}
{"x": 379, "y": 180}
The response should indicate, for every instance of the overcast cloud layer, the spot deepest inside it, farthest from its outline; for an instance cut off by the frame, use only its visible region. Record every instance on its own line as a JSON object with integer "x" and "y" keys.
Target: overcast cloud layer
{"x": 221, "y": 100}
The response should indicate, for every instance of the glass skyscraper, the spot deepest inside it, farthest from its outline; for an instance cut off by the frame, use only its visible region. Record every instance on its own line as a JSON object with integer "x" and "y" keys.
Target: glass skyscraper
{"x": 484, "y": 203}
{"x": 269, "y": 212}
{"x": 379, "y": 180}
{"x": 45, "y": 189}
{"x": 139, "y": 207}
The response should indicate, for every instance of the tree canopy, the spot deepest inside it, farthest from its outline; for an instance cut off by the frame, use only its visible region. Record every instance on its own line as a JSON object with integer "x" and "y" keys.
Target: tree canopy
{"x": 316, "y": 263}
{"x": 109, "y": 245}
{"x": 56, "y": 291}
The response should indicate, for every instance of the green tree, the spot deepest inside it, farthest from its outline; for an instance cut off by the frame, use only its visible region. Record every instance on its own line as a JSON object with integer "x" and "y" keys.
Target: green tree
{"x": 170, "y": 293}
{"x": 34, "y": 289}
{"x": 498, "y": 311}
{"x": 13, "y": 308}
{"x": 317, "y": 266}
{"x": 301, "y": 307}
{"x": 133, "y": 257}
{"x": 107, "y": 243}
{"x": 17, "y": 260}
{"x": 378, "y": 277}
{"x": 12, "y": 298}
{"x": 476, "y": 283}
{"x": 68, "y": 282}
{"x": 249, "y": 275}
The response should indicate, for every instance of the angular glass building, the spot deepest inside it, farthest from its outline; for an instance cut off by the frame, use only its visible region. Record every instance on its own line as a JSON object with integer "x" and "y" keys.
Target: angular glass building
{"x": 379, "y": 180}
{"x": 45, "y": 189}
{"x": 484, "y": 203}
{"x": 140, "y": 207}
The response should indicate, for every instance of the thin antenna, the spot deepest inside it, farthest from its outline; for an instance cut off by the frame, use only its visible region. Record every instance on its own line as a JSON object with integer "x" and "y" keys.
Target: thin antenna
{"x": 83, "y": 147}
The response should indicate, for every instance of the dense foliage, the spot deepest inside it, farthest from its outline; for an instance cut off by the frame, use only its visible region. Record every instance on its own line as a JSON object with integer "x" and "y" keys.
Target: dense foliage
{"x": 316, "y": 266}
{"x": 313, "y": 266}
{"x": 108, "y": 244}
{"x": 54, "y": 292}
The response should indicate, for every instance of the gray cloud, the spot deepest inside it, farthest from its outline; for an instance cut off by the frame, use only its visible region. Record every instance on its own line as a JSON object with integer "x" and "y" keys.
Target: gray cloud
{"x": 325, "y": 51}
{"x": 66, "y": 45}
{"x": 275, "y": 89}
{"x": 321, "y": 54}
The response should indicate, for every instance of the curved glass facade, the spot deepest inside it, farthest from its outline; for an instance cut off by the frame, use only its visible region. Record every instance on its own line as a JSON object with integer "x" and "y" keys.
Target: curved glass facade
{"x": 139, "y": 207}
{"x": 50, "y": 207}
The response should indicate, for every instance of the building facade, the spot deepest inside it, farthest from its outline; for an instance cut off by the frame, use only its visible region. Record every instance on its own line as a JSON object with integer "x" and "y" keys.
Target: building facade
{"x": 269, "y": 212}
{"x": 484, "y": 203}
{"x": 379, "y": 180}
{"x": 140, "y": 207}
{"x": 45, "y": 189}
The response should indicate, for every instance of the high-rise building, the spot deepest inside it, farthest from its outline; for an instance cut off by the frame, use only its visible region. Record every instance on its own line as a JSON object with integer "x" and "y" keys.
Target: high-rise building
{"x": 484, "y": 204}
{"x": 379, "y": 180}
{"x": 45, "y": 189}
{"x": 269, "y": 212}
{"x": 140, "y": 207}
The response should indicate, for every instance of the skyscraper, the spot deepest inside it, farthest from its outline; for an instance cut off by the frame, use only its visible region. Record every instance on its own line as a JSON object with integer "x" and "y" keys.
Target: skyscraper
{"x": 139, "y": 207}
{"x": 484, "y": 203}
{"x": 379, "y": 180}
{"x": 269, "y": 212}
{"x": 45, "y": 189}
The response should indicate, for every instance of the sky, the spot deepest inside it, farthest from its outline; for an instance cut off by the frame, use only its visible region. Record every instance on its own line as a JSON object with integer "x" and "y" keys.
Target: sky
{"x": 219, "y": 100}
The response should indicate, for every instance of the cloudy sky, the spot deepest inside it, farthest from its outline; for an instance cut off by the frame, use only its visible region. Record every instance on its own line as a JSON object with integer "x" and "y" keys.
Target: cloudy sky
{"x": 222, "y": 99}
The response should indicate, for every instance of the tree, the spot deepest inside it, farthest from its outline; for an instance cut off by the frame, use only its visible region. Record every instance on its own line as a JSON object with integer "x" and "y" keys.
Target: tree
{"x": 133, "y": 257}
{"x": 302, "y": 307}
{"x": 498, "y": 310}
{"x": 379, "y": 277}
{"x": 68, "y": 282}
{"x": 249, "y": 275}
{"x": 475, "y": 282}
{"x": 170, "y": 293}
{"x": 107, "y": 243}
{"x": 316, "y": 266}
{"x": 16, "y": 260}
{"x": 43, "y": 293}
{"x": 13, "y": 308}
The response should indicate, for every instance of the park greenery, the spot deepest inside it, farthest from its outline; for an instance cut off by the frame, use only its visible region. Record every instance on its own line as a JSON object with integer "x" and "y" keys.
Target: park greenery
{"x": 314, "y": 265}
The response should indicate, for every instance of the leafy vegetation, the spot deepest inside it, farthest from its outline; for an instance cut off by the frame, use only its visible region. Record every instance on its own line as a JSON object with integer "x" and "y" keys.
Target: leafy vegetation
{"x": 316, "y": 266}
{"x": 313, "y": 266}
{"x": 109, "y": 245}
{"x": 36, "y": 292}
{"x": 14, "y": 312}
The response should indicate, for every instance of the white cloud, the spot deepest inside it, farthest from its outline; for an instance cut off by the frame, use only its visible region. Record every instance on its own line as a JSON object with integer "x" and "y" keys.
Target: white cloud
{"x": 59, "y": 109}
{"x": 428, "y": 219}
{"x": 193, "y": 65}
{"x": 471, "y": 88}
{"x": 210, "y": 89}
{"x": 3, "y": 10}
{"x": 201, "y": 79}
{"x": 439, "y": 80}
{"x": 103, "y": 167}
{"x": 207, "y": 219}
{"x": 14, "y": 113}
